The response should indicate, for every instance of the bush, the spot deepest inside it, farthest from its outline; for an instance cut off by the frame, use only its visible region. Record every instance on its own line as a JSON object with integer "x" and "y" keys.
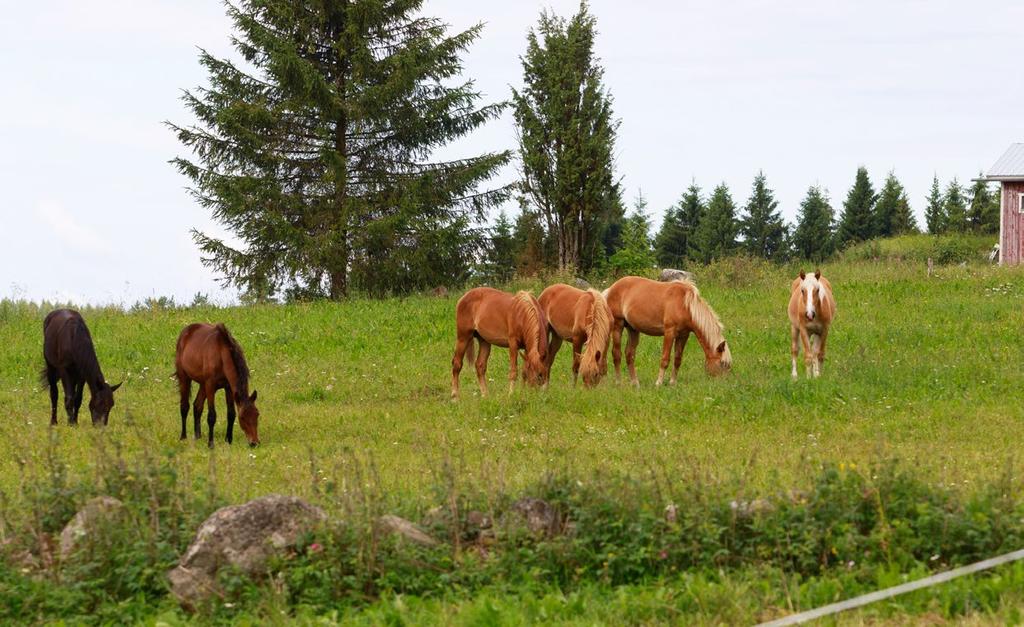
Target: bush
{"x": 943, "y": 249}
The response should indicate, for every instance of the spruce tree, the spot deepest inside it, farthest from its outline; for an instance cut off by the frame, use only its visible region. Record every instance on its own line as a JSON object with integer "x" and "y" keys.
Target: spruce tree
{"x": 566, "y": 132}
{"x": 934, "y": 211}
{"x": 716, "y": 234}
{"x": 764, "y": 232}
{"x": 813, "y": 238}
{"x": 893, "y": 215}
{"x": 637, "y": 253}
{"x": 857, "y": 222}
{"x": 984, "y": 212}
{"x": 674, "y": 242}
{"x": 530, "y": 243}
{"x": 954, "y": 206}
{"x": 501, "y": 251}
{"x": 316, "y": 152}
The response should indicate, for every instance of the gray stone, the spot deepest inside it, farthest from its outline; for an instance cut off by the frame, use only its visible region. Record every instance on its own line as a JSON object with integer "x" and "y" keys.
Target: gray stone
{"x": 750, "y": 509}
{"x": 94, "y": 515}
{"x": 398, "y": 526}
{"x": 244, "y": 537}
{"x": 671, "y": 274}
{"x": 581, "y": 283}
{"x": 539, "y": 516}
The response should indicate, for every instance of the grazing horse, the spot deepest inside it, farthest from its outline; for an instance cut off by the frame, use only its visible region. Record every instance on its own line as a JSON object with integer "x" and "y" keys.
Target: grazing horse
{"x": 583, "y": 317}
{"x": 673, "y": 310}
{"x": 516, "y": 322}
{"x": 811, "y": 309}
{"x": 210, "y": 356}
{"x": 71, "y": 357}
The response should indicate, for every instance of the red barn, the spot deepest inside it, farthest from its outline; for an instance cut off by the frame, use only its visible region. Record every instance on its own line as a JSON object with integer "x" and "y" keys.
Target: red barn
{"x": 1009, "y": 172}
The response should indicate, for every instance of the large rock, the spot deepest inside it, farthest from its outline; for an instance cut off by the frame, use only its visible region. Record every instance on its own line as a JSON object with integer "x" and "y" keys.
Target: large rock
{"x": 96, "y": 514}
{"x": 395, "y": 525}
{"x": 244, "y": 537}
{"x": 671, "y": 274}
{"x": 539, "y": 516}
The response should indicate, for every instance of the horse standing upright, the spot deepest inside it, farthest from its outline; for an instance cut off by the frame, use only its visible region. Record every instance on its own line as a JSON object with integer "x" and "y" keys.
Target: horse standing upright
{"x": 210, "y": 356}
{"x": 582, "y": 317}
{"x": 811, "y": 309}
{"x": 71, "y": 357}
{"x": 672, "y": 310}
{"x": 516, "y": 322}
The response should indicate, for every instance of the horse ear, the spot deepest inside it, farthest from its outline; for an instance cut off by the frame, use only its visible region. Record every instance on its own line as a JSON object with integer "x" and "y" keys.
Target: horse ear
{"x": 802, "y": 275}
{"x": 597, "y": 356}
{"x": 113, "y": 388}
{"x": 817, "y": 274}
{"x": 252, "y": 397}
{"x": 721, "y": 347}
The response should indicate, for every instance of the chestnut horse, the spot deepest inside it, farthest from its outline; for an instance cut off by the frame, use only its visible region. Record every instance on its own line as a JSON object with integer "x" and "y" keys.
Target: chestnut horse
{"x": 673, "y": 310}
{"x": 71, "y": 357}
{"x": 516, "y": 322}
{"x": 210, "y": 356}
{"x": 583, "y": 317}
{"x": 811, "y": 309}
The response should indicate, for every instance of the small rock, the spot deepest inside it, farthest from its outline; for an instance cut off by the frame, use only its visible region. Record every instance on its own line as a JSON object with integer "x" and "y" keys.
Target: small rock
{"x": 583, "y": 284}
{"x": 671, "y": 513}
{"x": 395, "y": 525}
{"x": 671, "y": 274}
{"x": 440, "y": 292}
{"x": 94, "y": 515}
{"x": 749, "y": 509}
{"x": 541, "y": 517}
{"x": 478, "y": 520}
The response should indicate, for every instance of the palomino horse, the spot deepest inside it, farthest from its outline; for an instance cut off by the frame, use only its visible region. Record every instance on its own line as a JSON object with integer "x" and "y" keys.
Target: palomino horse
{"x": 811, "y": 309}
{"x": 210, "y": 356}
{"x": 516, "y": 322}
{"x": 673, "y": 310}
{"x": 71, "y": 357}
{"x": 583, "y": 317}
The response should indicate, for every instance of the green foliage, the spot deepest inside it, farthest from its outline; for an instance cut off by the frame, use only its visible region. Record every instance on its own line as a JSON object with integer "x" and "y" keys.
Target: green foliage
{"x": 984, "y": 212}
{"x": 636, "y": 256}
{"x": 764, "y": 233}
{"x": 813, "y": 238}
{"x": 857, "y": 222}
{"x": 674, "y": 243}
{"x": 935, "y": 210}
{"x": 893, "y": 215}
{"x": 500, "y": 264}
{"x": 954, "y": 208}
{"x": 316, "y": 153}
{"x": 566, "y": 132}
{"x": 943, "y": 249}
{"x": 715, "y": 236}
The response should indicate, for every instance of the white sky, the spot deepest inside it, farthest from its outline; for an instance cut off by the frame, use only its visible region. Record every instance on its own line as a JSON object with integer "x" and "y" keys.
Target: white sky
{"x": 91, "y": 210}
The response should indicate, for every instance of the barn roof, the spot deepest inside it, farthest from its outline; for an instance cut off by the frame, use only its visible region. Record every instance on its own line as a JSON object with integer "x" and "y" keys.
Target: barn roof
{"x": 1010, "y": 166}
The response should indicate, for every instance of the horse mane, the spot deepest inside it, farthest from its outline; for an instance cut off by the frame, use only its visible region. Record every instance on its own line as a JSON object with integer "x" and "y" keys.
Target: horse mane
{"x": 703, "y": 317}
{"x": 238, "y": 359}
{"x": 598, "y": 329}
{"x": 536, "y": 322}
{"x": 83, "y": 352}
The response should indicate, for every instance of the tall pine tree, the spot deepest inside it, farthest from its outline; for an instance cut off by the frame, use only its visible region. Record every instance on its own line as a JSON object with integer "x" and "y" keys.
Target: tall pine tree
{"x": 637, "y": 253}
{"x": 716, "y": 234}
{"x": 954, "y": 206}
{"x": 674, "y": 242}
{"x": 935, "y": 211}
{"x": 893, "y": 215}
{"x": 813, "y": 237}
{"x": 857, "y": 222}
{"x": 316, "y": 154}
{"x": 501, "y": 251}
{"x": 566, "y": 135}
{"x": 984, "y": 211}
{"x": 764, "y": 232}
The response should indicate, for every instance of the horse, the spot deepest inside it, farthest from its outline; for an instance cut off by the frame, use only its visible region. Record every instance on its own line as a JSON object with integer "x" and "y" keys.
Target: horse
{"x": 210, "y": 356}
{"x": 71, "y": 357}
{"x": 583, "y": 317}
{"x": 513, "y": 321}
{"x": 811, "y": 309}
{"x": 673, "y": 310}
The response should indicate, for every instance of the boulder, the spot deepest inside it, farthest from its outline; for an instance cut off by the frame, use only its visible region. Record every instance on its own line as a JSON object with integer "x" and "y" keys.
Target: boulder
{"x": 671, "y": 274}
{"x": 581, "y": 283}
{"x": 94, "y": 516}
{"x": 244, "y": 537}
{"x": 395, "y": 525}
{"x": 539, "y": 516}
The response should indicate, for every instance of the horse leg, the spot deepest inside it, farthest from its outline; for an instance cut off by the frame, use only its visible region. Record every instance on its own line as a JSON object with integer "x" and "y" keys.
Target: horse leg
{"x": 513, "y": 368}
{"x": 821, "y": 348}
{"x": 794, "y": 348}
{"x": 577, "y": 356}
{"x": 211, "y": 412}
{"x": 197, "y": 409}
{"x": 554, "y": 344}
{"x": 79, "y": 393}
{"x": 666, "y": 354}
{"x": 463, "y": 341}
{"x": 634, "y": 340}
{"x": 229, "y": 397}
{"x": 184, "y": 391}
{"x": 51, "y": 382}
{"x": 69, "y": 398}
{"x": 481, "y": 366}
{"x": 815, "y": 351}
{"x": 617, "y": 347}
{"x": 805, "y": 342}
{"x": 680, "y": 345}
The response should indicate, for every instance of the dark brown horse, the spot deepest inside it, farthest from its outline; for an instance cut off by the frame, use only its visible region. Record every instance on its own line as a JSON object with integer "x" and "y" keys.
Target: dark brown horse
{"x": 210, "y": 356}
{"x": 71, "y": 357}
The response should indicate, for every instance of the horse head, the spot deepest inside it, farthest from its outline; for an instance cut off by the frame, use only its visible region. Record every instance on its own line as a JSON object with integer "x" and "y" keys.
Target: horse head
{"x": 810, "y": 294}
{"x": 249, "y": 417}
{"x": 102, "y": 402}
{"x": 719, "y": 360}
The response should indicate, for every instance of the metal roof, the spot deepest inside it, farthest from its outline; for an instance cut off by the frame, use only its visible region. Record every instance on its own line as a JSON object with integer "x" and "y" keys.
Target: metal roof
{"x": 1010, "y": 165}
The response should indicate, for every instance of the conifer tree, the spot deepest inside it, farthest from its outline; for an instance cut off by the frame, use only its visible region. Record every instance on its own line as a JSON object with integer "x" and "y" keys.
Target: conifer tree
{"x": 984, "y": 212}
{"x": 674, "y": 242}
{"x": 637, "y": 253}
{"x": 893, "y": 215}
{"x": 934, "y": 211}
{"x": 813, "y": 237}
{"x": 857, "y": 222}
{"x": 316, "y": 153}
{"x": 764, "y": 232}
{"x": 716, "y": 234}
{"x": 954, "y": 206}
{"x": 567, "y": 133}
{"x": 531, "y": 244}
{"x": 501, "y": 252}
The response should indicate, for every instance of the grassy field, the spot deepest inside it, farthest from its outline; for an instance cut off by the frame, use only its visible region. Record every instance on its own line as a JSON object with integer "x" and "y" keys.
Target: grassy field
{"x": 924, "y": 370}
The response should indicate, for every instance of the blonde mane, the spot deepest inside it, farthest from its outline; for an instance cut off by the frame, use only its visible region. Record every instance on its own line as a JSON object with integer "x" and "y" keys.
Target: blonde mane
{"x": 535, "y": 321}
{"x": 598, "y": 329}
{"x": 705, "y": 320}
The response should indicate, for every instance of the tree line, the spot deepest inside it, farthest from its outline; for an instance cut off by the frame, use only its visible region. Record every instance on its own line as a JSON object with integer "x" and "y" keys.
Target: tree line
{"x": 316, "y": 150}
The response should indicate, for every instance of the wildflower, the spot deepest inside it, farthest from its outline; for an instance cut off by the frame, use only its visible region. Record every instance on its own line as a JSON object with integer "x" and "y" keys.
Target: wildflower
{"x": 315, "y": 547}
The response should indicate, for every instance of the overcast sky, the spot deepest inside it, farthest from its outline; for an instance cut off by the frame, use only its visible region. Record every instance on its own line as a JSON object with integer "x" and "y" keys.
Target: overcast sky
{"x": 91, "y": 211}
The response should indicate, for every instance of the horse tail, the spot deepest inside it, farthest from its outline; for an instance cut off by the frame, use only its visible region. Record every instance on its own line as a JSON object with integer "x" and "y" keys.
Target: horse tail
{"x": 44, "y": 378}
{"x": 469, "y": 356}
{"x": 598, "y": 329}
{"x": 237, "y": 359}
